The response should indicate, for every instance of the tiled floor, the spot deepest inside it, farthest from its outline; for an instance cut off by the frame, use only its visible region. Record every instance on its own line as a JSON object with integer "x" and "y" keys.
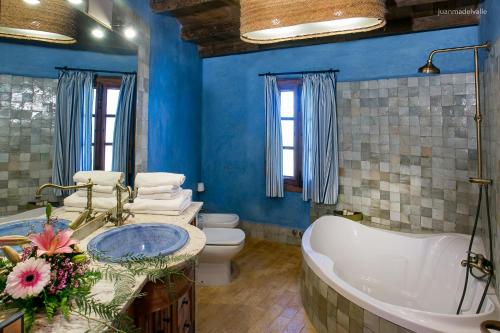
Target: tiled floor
{"x": 264, "y": 297}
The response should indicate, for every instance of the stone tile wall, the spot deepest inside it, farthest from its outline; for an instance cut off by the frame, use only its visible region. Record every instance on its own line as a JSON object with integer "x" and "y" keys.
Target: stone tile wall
{"x": 331, "y": 312}
{"x": 27, "y": 109}
{"x": 272, "y": 232}
{"x": 491, "y": 152}
{"x": 407, "y": 148}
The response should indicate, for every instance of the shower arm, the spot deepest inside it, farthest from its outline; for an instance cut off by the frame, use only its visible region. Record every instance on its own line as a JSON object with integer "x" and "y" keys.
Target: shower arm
{"x": 477, "y": 117}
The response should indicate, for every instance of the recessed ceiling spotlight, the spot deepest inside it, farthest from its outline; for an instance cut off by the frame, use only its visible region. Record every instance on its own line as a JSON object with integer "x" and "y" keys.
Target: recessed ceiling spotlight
{"x": 75, "y": 2}
{"x": 32, "y": 2}
{"x": 98, "y": 33}
{"x": 129, "y": 33}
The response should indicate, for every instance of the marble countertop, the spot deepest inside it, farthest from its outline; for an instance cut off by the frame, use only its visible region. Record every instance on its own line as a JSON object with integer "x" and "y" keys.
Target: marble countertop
{"x": 103, "y": 290}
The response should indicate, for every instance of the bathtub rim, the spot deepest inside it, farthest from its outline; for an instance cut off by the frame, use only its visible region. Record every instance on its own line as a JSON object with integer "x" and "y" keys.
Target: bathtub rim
{"x": 412, "y": 319}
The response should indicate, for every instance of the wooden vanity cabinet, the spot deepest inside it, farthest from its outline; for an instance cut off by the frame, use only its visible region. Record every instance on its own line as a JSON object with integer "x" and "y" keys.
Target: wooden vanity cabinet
{"x": 167, "y": 309}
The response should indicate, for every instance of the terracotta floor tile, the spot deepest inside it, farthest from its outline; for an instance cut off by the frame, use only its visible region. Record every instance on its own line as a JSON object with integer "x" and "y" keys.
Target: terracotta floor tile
{"x": 264, "y": 297}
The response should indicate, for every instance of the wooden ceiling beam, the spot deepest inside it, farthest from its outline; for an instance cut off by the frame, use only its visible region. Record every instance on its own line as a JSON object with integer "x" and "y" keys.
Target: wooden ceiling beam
{"x": 238, "y": 46}
{"x": 394, "y": 27}
{"x": 214, "y": 24}
{"x": 444, "y": 21}
{"x": 210, "y": 32}
{"x": 159, "y": 6}
{"x": 406, "y": 3}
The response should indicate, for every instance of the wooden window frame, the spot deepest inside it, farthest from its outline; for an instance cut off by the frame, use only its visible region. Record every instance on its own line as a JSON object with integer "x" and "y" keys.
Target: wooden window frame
{"x": 101, "y": 85}
{"x": 294, "y": 184}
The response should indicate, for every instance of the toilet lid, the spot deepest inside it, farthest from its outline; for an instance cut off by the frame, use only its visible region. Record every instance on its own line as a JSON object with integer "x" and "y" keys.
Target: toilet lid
{"x": 210, "y": 220}
{"x": 224, "y": 236}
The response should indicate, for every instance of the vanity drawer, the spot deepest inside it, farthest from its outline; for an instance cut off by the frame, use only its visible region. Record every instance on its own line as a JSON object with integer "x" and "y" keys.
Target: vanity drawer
{"x": 163, "y": 310}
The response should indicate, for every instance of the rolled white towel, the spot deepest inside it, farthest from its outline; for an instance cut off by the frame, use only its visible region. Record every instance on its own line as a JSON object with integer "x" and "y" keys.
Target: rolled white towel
{"x": 154, "y": 179}
{"x": 159, "y": 189}
{"x": 160, "y": 196}
{"x": 77, "y": 201}
{"x": 100, "y": 188}
{"x": 178, "y": 204}
{"x": 99, "y": 177}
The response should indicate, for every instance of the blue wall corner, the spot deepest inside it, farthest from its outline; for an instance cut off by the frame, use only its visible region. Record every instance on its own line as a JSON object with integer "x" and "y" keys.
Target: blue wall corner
{"x": 174, "y": 123}
{"x": 233, "y": 114}
{"x": 174, "y": 117}
{"x": 489, "y": 27}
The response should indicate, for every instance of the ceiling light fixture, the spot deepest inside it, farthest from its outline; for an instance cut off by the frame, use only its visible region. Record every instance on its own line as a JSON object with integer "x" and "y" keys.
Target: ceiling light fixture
{"x": 98, "y": 33}
{"x": 75, "y": 2}
{"x": 52, "y": 21}
{"x": 264, "y": 21}
{"x": 129, "y": 33}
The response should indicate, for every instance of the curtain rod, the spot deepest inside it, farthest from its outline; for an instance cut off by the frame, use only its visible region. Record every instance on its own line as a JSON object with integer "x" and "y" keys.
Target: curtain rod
{"x": 304, "y": 72}
{"x": 93, "y": 70}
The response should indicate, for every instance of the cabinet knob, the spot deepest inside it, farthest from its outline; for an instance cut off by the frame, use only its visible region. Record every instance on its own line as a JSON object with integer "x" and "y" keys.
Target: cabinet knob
{"x": 187, "y": 324}
{"x": 185, "y": 301}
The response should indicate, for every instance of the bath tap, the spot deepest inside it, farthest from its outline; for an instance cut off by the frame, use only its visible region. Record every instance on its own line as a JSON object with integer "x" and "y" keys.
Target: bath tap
{"x": 86, "y": 215}
{"x": 118, "y": 219}
{"x": 479, "y": 262}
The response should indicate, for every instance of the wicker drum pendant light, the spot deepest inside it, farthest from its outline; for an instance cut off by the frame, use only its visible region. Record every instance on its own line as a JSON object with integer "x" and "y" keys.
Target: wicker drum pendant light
{"x": 264, "y": 21}
{"x": 52, "y": 21}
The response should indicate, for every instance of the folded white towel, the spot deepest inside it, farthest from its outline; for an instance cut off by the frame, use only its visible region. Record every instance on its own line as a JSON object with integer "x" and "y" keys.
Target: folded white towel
{"x": 161, "y": 212}
{"x": 99, "y": 177}
{"x": 159, "y": 189}
{"x": 154, "y": 179}
{"x": 83, "y": 193}
{"x": 160, "y": 196}
{"x": 178, "y": 204}
{"x": 100, "y": 188}
{"x": 77, "y": 201}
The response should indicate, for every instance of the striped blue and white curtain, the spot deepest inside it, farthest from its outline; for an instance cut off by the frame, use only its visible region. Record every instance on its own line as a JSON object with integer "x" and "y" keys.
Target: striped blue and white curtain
{"x": 319, "y": 120}
{"x": 125, "y": 128}
{"x": 73, "y": 126}
{"x": 274, "y": 146}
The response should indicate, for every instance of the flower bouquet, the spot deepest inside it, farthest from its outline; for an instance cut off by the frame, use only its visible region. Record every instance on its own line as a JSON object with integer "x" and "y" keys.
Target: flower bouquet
{"x": 50, "y": 274}
{"x": 53, "y": 276}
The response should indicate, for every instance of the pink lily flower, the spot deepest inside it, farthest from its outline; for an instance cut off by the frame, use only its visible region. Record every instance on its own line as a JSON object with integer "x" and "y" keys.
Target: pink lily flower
{"x": 50, "y": 243}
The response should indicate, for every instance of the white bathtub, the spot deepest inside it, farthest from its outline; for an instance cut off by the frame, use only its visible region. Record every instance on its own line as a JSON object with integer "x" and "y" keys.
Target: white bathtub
{"x": 414, "y": 281}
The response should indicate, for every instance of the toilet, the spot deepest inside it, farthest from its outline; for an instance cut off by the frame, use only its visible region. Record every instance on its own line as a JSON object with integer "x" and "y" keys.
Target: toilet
{"x": 224, "y": 242}
{"x": 218, "y": 220}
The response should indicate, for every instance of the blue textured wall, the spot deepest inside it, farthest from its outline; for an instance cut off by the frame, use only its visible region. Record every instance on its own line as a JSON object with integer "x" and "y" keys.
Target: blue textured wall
{"x": 174, "y": 102}
{"x": 174, "y": 118}
{"x": 39, "y": 61}
{"x": 233, "y": 111}
{"x": 490, "y": 24}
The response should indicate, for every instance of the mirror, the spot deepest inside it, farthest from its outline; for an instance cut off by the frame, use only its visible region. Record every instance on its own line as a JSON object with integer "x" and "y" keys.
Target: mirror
{"x": 30, "y": 65}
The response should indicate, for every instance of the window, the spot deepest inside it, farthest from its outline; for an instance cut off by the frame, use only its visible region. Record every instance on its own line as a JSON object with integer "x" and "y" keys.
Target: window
{"x": 106, "y": 92}
{"x": 291, "y": 133}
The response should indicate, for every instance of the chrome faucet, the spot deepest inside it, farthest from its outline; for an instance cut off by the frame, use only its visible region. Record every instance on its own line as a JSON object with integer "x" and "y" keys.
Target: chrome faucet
{"x": 86, "y": 215}
{"x": 118, "y": 219}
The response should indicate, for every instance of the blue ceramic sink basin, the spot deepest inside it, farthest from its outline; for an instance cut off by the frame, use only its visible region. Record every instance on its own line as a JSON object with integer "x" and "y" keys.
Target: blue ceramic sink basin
{"x": 138, "y": 240}
{"x": 27, "y": 227}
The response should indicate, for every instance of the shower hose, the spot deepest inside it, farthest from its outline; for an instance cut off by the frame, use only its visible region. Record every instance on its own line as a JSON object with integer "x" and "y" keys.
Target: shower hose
{"x": 469, "y": 251}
